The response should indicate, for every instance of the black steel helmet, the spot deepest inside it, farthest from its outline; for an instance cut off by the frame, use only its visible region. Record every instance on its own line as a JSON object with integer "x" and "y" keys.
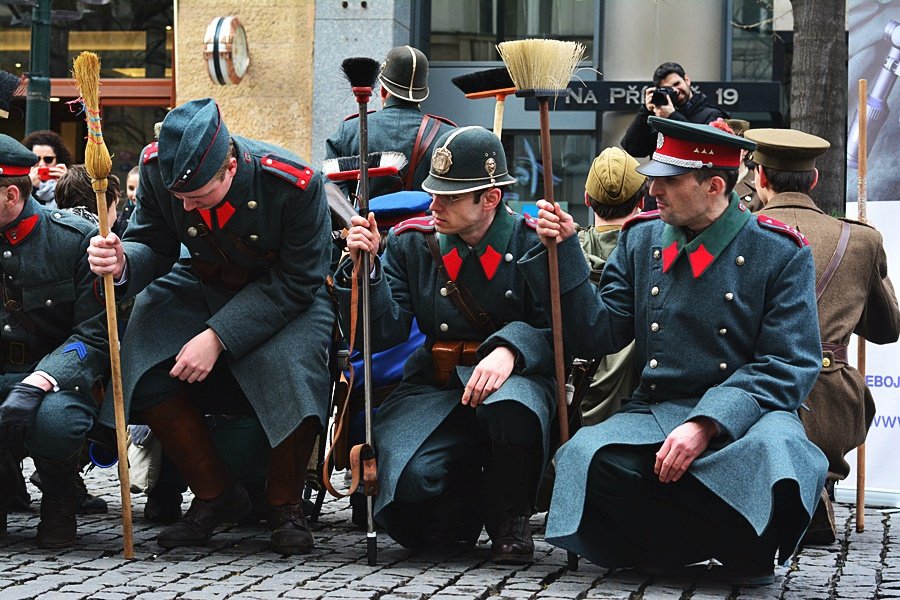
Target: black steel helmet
{"x": 404, "y": 73}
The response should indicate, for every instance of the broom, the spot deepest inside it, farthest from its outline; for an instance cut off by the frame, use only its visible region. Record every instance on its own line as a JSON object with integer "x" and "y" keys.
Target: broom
{"x": 98, "y": 164}
{"x": 362, "y": 72}
{"x": 542, "y": 69}
{"x": 489, "y": 83}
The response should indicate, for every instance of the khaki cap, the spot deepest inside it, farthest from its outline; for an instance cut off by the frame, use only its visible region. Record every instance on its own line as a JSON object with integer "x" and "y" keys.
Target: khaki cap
{"x": 738, "y": 126}
{"x": 612, "y": 178}
{"x": 786, "y": 149}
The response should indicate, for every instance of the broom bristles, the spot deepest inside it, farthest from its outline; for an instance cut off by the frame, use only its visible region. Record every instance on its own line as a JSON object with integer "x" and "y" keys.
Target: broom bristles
{"x": 484, "y": 82}
{"x": 541, "y": 64}
{"x": 97, "y": 160}
{"x": 360, "y": 71}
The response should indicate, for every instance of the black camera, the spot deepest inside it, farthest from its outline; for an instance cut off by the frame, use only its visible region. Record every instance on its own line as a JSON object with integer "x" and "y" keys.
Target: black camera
{"x": 658, "y": 98}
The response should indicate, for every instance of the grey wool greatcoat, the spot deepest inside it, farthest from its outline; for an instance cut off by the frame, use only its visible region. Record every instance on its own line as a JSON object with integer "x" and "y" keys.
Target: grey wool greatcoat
{"x": 276, "y": 329}
{"x": 407, "y": 285}
{"x": 724, "y": 327}
{"x": 393, "y": 128}
{"x": 48, "y": 293}
{"x": 859, "y": 299}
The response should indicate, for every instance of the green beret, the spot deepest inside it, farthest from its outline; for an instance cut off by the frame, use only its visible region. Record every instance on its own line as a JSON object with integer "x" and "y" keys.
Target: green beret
{"x": 467, "y": 159}
{"x": 15, "y": 159}
{"x": 193, "y": 144}
{"x": 404, "y": 73}
{"x": 786, "y": 149}
{"x": 738, "y": 126}
{"x": 612, "y": 178}
{"x": 683, "y": 147}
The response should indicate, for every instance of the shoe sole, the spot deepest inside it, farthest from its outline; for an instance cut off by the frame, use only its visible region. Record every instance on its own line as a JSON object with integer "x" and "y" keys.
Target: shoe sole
{"x": 512, "y": 559}
{"x": 168, "y": 543}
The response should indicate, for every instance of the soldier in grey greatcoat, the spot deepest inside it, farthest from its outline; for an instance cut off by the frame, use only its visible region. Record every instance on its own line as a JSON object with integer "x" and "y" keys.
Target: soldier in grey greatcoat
{"x": 476, "y": 400}
{"x": 400, "y": 126}
{"x": 243, "y": 328}
{"x": 857, "y": 297}
{"x": 708, "y": 459}
{"x": 46, "y": 372}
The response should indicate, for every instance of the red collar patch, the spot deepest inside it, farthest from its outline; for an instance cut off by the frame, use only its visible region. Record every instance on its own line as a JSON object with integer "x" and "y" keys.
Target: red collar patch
{"x": 700, "y": 259}
{"x": 452, "y": 262}
{"x": 669, "y": 255}
{"x": 490, "y": 260}
{"x": 22, "y": 229}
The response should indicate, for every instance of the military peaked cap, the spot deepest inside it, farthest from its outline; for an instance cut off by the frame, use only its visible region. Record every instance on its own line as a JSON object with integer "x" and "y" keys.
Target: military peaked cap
{"x": 467, "y": 159}
{"x": 15, "y": 159}
{"x": 683, "y": 147}
{"x": 786, "y": 149}
{"x": 193, "y": 144}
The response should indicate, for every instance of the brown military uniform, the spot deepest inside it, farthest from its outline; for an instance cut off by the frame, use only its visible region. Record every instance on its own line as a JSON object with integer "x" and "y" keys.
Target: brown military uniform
{"x": 746, "y": 191}
{"x": 859, "y": 299}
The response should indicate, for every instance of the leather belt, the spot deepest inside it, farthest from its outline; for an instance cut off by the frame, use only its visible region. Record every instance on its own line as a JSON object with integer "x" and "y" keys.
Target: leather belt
{"x": 226, "y": 275}
{"x": 833, "y": 353}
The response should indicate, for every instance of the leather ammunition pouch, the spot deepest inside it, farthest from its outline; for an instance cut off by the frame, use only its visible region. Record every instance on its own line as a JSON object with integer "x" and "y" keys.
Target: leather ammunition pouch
{"x": 446, "y": 355}
{"x": 226, "y": 275}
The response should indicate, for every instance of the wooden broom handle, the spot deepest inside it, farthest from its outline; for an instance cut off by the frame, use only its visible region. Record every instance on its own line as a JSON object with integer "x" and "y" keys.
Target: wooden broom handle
{"x": 112, "y": 323}
{"x": 553, "y": 267}
{"x": 862, "y": 193}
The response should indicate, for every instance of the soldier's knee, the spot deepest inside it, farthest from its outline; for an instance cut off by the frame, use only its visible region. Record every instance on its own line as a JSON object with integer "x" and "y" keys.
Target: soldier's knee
{"x": 511, "y": 423}
{"x": 60, "y": 427}
{"x": 420, "y": 480}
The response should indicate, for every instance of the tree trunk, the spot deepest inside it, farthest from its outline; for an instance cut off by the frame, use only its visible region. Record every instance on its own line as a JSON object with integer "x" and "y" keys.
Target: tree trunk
{"x": 819, "y": 91}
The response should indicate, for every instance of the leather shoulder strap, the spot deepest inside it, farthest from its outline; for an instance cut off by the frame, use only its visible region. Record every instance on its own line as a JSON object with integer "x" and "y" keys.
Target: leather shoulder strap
{"x": 835, "y": 261}
{"x": 460, "y": 296}
{"x": 424, "y": 137}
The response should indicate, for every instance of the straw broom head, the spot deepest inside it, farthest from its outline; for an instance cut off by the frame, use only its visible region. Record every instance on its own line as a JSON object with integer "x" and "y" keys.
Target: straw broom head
{"x": 540, "y": 65}
{"x": 96, "y": 158}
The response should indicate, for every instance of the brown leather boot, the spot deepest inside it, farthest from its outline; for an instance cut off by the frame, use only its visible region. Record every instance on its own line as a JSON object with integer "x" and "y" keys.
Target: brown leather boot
{"x": 511, "y": 481}
{"x": 284, "y": 487}
{"x": 181, "y": 429}
{"x": 58, "y": 526}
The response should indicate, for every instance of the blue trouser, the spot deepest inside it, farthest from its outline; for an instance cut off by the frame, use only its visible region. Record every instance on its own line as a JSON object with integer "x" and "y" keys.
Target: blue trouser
{"x": 61, "y": 424}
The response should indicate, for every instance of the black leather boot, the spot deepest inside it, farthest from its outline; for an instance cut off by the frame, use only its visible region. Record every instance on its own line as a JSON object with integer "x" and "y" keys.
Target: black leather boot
{"x": 85, "y": 502}
{"x": 163, "y": 503}
{"x": 202, "y": 518}
{"x": 290, "y": 532}
{"x": 511, "y": 480}
{"x": 8, "y": 468}
{"x": 57, "y": 527}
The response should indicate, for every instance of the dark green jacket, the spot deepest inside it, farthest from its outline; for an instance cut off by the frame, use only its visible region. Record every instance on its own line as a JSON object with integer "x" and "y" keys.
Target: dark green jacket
{"x": 392, "y": 128}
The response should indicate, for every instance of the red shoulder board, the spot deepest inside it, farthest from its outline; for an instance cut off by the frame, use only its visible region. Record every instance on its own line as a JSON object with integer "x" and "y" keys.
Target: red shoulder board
{"x": 423, "y": 224}
{"x": 443, "y": 120}
{"x": 776, "y": 225}
{"x": 640, "y": 217}
{"x": 356, "y": 115}
{"x": 530, "y": 221}
{"x": 149, "y": 153}
{"x": 295, "y": 173}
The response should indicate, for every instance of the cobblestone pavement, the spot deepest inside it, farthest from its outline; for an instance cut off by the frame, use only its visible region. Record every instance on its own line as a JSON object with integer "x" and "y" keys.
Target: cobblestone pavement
{"x": 238, "y": 564}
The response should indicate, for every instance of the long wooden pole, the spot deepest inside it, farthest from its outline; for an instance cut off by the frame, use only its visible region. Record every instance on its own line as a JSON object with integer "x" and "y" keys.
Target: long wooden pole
{"x": 861, "y": 342}
{"x": 98, "y": 165}
{"x": 553, "y": 266}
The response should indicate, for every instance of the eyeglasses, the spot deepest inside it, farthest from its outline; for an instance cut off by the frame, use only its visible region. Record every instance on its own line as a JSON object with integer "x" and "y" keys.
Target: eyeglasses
{"x": 47, "y": 159}
{"x": 450, "y": 198}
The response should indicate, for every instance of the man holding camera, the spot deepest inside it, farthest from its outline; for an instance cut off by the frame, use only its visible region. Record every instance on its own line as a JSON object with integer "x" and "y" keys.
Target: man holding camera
{"x": 671, "y": 97}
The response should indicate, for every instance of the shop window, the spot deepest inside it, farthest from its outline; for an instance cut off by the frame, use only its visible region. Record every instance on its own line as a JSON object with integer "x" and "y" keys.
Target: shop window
{"x": 468, "y": 30}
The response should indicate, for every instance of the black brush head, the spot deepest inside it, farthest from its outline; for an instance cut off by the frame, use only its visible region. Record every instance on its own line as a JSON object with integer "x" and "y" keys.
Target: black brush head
{"x": 361, "y": 71}
{"x": 483, "y": 81}
{"x": 8, "y": 85}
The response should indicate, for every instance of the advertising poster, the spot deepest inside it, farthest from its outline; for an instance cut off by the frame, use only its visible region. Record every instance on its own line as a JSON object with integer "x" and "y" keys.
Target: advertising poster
{"x": 874, "y": 55}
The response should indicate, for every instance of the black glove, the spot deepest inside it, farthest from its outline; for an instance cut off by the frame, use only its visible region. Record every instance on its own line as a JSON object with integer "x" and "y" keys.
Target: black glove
{"x": 17, "y": 413}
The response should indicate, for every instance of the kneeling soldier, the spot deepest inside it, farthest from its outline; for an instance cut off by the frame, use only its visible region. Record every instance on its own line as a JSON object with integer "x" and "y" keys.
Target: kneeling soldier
{"x": 45, "y": 374}
{"x": 243, "y": 328}
{"x": 472, "y": 413}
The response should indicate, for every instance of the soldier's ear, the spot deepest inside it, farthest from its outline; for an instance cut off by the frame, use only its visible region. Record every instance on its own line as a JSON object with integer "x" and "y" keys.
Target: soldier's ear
{"x": 490, "y": 198}
{"x": 12, "y": 194}
{"x": 815, "y": 179}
